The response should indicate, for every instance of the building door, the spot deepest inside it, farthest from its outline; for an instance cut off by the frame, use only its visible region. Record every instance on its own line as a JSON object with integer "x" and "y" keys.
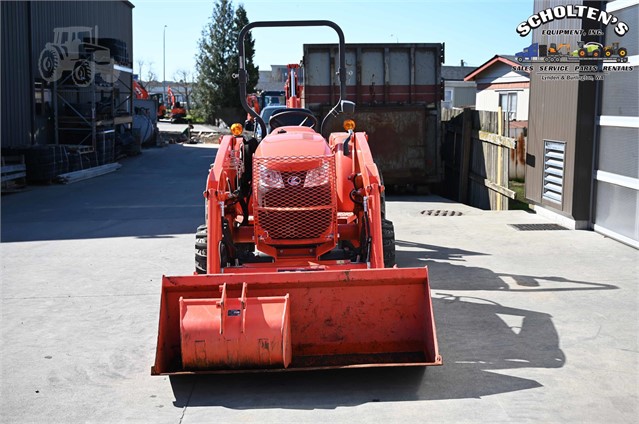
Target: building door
{"x": 616, "y": 173}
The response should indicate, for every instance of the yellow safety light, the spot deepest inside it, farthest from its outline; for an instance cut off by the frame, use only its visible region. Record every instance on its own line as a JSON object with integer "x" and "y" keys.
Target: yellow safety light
{"x": 236, "y": 129}
{"x": 349, "y": 125}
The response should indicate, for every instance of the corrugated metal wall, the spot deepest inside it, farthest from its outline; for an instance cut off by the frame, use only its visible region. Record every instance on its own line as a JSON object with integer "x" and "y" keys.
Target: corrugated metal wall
{"x": 379, "y": 73}
{"x": 114, "y": 20}
{"x": 17, "y": 91}
{"x": 26, "y": 28}
{"x": 561, "y": 111}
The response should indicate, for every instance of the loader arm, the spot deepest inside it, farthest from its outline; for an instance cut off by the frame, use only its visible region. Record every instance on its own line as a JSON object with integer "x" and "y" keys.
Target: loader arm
{"x": 220, "y": 193}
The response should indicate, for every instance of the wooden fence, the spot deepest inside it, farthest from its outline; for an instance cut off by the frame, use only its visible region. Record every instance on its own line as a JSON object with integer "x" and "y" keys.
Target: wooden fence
{"x": 476, "y": 158}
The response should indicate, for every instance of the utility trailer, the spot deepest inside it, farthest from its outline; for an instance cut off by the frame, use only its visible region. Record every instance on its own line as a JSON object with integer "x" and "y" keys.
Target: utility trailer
{"x": 398, "y": 90}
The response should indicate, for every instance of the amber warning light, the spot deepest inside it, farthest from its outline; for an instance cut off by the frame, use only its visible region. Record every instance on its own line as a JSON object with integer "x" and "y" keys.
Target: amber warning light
{"x": 236, "y": 129}
{"x": 349, "y": 125}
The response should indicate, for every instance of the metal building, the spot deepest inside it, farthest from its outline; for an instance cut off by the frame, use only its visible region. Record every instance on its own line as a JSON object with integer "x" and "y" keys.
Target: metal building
{"x": 28, "y": 107}
{"x": 583, "y": 146}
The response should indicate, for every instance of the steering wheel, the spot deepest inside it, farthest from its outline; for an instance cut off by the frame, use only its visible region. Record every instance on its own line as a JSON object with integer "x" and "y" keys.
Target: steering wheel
{"x": 276, "y": 120}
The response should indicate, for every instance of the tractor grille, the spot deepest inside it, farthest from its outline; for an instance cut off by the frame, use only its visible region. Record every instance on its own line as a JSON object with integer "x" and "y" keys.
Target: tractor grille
{"x": 295, "y": 198}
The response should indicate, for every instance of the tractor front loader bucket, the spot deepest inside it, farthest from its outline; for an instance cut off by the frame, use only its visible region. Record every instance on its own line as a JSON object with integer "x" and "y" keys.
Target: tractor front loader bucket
{"x": 296, "y": 321}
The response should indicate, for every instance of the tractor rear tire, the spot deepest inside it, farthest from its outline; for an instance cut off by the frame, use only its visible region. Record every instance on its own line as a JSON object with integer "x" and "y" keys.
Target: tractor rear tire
{"x": 200, "y": 249}
{"x": 382, "y": 197}
{"x": 49, "y": 64}
{"x": 388, "y": 242}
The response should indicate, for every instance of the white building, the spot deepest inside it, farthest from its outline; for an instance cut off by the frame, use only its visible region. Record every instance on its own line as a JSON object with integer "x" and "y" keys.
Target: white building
{"x": 500, "y": 83}
{"x": 457, "y": 92}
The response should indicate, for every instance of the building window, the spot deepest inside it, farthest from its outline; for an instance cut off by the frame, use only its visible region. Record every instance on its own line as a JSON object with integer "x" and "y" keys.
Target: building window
{"x": 508, "y": 103}
{"x": 448, "y": 98}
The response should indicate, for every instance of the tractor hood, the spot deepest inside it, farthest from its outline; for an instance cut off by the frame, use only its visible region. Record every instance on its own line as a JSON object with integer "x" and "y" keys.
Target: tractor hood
{"x": 292, "y": 141}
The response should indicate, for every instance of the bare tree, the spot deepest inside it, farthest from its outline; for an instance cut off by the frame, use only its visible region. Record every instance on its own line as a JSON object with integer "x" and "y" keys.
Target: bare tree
{"x": 184, "y": 85}
{"x": 140, "y": 63}
{"x": 151, "y": 76}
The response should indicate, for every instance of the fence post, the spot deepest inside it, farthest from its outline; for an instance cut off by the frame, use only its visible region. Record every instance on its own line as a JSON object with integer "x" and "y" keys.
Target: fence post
{"x": 499, "y": 205}
{"x": 467, "y": 130}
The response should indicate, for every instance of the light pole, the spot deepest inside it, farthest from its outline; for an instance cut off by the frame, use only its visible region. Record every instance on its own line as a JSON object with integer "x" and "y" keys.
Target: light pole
{"x": 164, "y": 65}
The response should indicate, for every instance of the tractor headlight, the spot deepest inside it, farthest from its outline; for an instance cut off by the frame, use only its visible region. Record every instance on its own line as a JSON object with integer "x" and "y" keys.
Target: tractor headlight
{"x": 270, "y": 178}
{"x": 317, "y": 176}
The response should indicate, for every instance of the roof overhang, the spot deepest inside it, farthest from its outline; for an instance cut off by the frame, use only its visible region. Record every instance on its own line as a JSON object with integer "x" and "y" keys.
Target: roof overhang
{"x": 491, "y": 62}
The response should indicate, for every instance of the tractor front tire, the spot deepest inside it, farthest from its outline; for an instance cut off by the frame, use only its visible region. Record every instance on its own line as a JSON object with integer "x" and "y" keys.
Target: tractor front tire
{"x": 83, "y": 73}
{"x": 200, "y": 249}
{"x": 388, "y": 242}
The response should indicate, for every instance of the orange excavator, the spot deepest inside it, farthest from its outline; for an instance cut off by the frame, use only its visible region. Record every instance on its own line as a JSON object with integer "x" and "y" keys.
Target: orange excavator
{"x": 293, "y": 88}
{"x": 294, "y": 266}
{"x": 178, "y": 113}
{"x": 141, "y": 93}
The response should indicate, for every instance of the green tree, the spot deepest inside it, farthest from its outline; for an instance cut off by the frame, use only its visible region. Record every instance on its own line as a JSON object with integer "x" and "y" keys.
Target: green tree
{"x": 240, "y": 21}
{"x": 217, "y": 61}
{"x": 216, "y": 48}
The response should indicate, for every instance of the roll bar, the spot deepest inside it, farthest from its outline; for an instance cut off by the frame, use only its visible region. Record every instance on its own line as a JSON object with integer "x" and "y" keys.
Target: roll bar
{"x": 243, "y": 75}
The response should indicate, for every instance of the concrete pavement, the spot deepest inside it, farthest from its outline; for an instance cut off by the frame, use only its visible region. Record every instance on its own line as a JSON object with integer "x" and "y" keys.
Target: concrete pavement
{"x": 534, "y": 326}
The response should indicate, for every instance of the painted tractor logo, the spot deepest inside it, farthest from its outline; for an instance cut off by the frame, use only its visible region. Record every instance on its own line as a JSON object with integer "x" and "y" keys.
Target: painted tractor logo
{"x": 598, "y": 50}
{"x": 76, "y": 49}
{"x": 560, "y": 52}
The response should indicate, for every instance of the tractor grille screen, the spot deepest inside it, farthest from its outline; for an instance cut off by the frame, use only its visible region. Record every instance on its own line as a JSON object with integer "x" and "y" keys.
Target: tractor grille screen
{"x": 295, "y": 198}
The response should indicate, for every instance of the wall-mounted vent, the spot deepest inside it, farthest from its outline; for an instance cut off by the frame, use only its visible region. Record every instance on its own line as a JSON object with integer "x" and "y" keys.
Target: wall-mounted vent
{"x": 554, "y": 160}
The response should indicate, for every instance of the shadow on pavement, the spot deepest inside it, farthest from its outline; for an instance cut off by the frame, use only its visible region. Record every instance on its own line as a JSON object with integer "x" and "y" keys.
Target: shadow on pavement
{"x": 156, "y": 194}
{"x": 477, "y": 338}
{"x": 473, "y": 340}
{"x": 457, "y": 277}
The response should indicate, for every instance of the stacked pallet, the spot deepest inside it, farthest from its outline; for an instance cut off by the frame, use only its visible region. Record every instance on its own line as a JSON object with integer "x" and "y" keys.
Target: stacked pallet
{"x": 14, "y": 173}
{"x": 44, "y": 163}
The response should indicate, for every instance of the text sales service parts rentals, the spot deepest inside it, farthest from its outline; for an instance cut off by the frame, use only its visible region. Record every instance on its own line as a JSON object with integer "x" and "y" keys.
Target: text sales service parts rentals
{"x": 572, "y": 11}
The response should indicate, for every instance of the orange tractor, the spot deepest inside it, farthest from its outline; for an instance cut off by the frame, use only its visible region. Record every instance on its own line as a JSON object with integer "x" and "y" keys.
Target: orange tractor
{"x": 294, "y": 265}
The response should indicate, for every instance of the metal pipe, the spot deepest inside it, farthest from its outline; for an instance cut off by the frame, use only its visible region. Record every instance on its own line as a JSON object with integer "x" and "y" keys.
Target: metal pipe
{"x": 164, "y": 64}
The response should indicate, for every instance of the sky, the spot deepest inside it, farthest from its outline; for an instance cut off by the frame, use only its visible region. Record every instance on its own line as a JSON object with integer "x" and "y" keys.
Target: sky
{"x": 473, "y": 31}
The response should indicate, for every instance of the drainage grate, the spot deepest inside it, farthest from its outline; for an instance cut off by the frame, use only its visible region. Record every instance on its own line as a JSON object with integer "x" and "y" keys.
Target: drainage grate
{"x": 437, "y": 212}
{"x": 537, "y": 227}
